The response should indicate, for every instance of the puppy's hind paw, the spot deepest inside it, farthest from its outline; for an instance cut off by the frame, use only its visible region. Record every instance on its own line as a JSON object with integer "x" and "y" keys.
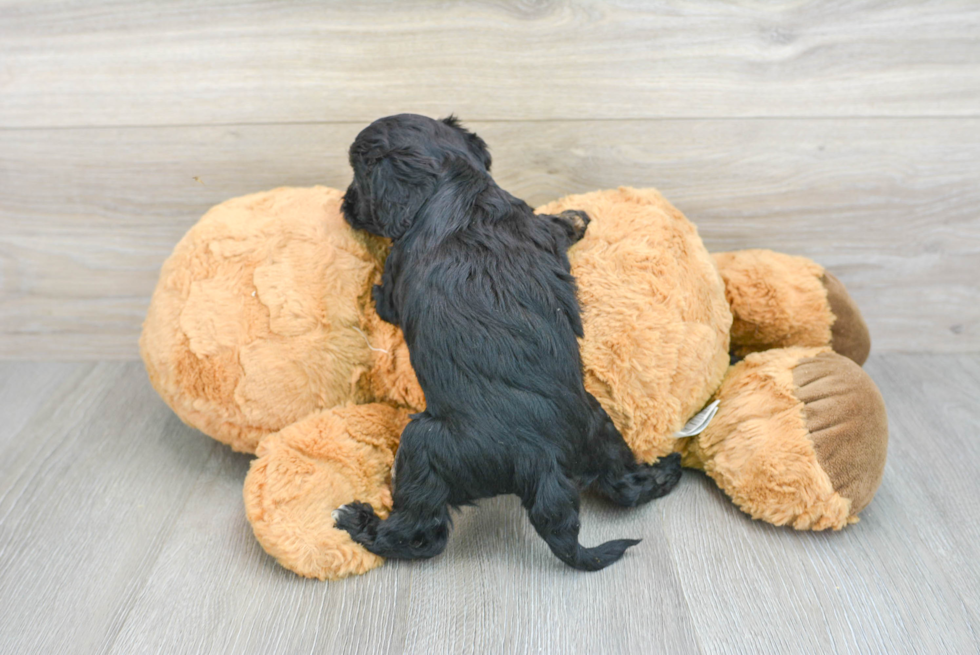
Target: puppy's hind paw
{"x": 358, "y": 520}
{"x": 667, "y": 473}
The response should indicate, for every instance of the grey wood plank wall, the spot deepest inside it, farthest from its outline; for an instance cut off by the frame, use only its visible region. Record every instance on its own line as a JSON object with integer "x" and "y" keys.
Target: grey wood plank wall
{"x": 847, "y": 132}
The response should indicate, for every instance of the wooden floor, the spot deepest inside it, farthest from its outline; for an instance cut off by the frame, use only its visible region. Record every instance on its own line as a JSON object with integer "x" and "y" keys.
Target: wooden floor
{"x": 122, "y": 531}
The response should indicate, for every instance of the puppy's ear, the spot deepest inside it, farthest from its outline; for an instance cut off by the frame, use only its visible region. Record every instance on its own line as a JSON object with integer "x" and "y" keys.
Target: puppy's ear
{"x": 401, "y": 182}
{"x": 476, "y": 145}
{"x": 480, "y": 149}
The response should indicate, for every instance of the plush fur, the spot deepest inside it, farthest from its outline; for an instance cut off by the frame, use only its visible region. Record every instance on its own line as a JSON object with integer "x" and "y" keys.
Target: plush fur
{"x": 799, "y": 438}
{"x": 482, "y": 290}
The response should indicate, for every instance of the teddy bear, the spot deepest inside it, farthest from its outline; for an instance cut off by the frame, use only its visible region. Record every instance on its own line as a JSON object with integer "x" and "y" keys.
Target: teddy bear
{"x": 261, "y": 333}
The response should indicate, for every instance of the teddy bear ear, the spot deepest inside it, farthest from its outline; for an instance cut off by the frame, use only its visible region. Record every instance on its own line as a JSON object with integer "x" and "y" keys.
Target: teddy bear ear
{"x": 815, "y": 454}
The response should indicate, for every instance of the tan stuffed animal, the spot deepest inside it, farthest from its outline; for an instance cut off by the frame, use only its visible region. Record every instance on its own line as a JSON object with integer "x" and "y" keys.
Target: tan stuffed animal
{"x": 262, "y": 334}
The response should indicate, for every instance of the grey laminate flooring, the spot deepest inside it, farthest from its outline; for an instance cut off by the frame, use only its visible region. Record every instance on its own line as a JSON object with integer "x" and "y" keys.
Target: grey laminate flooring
{"x": 122, "y": 531}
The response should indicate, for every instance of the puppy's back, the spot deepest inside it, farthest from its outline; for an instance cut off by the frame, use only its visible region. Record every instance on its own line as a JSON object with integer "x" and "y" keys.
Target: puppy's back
{"x": 490, "y": 316}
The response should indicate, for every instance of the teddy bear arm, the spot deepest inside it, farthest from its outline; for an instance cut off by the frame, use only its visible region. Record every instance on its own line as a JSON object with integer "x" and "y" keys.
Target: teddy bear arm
{"x": 781, "y": 300}
{"x": 309, "y": 469}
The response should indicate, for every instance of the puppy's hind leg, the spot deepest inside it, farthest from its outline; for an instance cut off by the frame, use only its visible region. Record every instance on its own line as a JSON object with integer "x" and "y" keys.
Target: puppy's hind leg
{"x": 621, "y": 478}
{"x": 631, "y": 483}
{"x": 552, "y": 506}
{"x": 418, "y": 526}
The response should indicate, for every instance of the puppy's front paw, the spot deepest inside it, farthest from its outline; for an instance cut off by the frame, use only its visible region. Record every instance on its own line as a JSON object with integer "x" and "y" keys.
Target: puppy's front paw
{"x": 578, "y": 221}
{"x": 358, "y": 520}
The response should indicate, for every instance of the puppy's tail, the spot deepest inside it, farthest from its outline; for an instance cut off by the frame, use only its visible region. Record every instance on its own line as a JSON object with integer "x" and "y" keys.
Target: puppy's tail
{"x": 594, "y": 559}
{"x": 553, "y": 511}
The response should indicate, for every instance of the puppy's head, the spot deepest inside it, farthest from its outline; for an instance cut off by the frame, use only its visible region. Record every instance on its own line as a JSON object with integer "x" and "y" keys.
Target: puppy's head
{"x": 399, "y": 162}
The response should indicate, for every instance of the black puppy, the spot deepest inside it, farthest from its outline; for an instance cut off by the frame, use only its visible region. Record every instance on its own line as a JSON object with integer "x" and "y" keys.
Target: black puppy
{"x": 482, "y": 290}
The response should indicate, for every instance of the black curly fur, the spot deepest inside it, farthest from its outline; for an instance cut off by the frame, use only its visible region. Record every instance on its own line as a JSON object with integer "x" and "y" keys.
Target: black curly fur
{"x": 483, "y": 292}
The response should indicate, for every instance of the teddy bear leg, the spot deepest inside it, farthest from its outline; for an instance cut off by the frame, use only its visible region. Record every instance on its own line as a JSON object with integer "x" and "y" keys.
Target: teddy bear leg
{"x": 780, "y": 300}
{"x": 799, "y": 438}
{"x": 310, "y": 468}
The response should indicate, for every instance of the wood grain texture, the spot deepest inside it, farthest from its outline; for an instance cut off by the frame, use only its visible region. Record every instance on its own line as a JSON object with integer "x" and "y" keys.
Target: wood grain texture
{"x": 89, "y": 215}
{"x": 903, "y": 580}
{"x": 145, "y": 63}
{"x": 25, "y": 387}
{"x": 122, "y": 531}
{"x": 497, "y": 589}
{"x": 90, "y": 487}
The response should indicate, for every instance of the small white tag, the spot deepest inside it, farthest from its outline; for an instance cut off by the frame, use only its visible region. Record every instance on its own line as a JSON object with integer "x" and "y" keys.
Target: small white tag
{"x": 699, "y": 422}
